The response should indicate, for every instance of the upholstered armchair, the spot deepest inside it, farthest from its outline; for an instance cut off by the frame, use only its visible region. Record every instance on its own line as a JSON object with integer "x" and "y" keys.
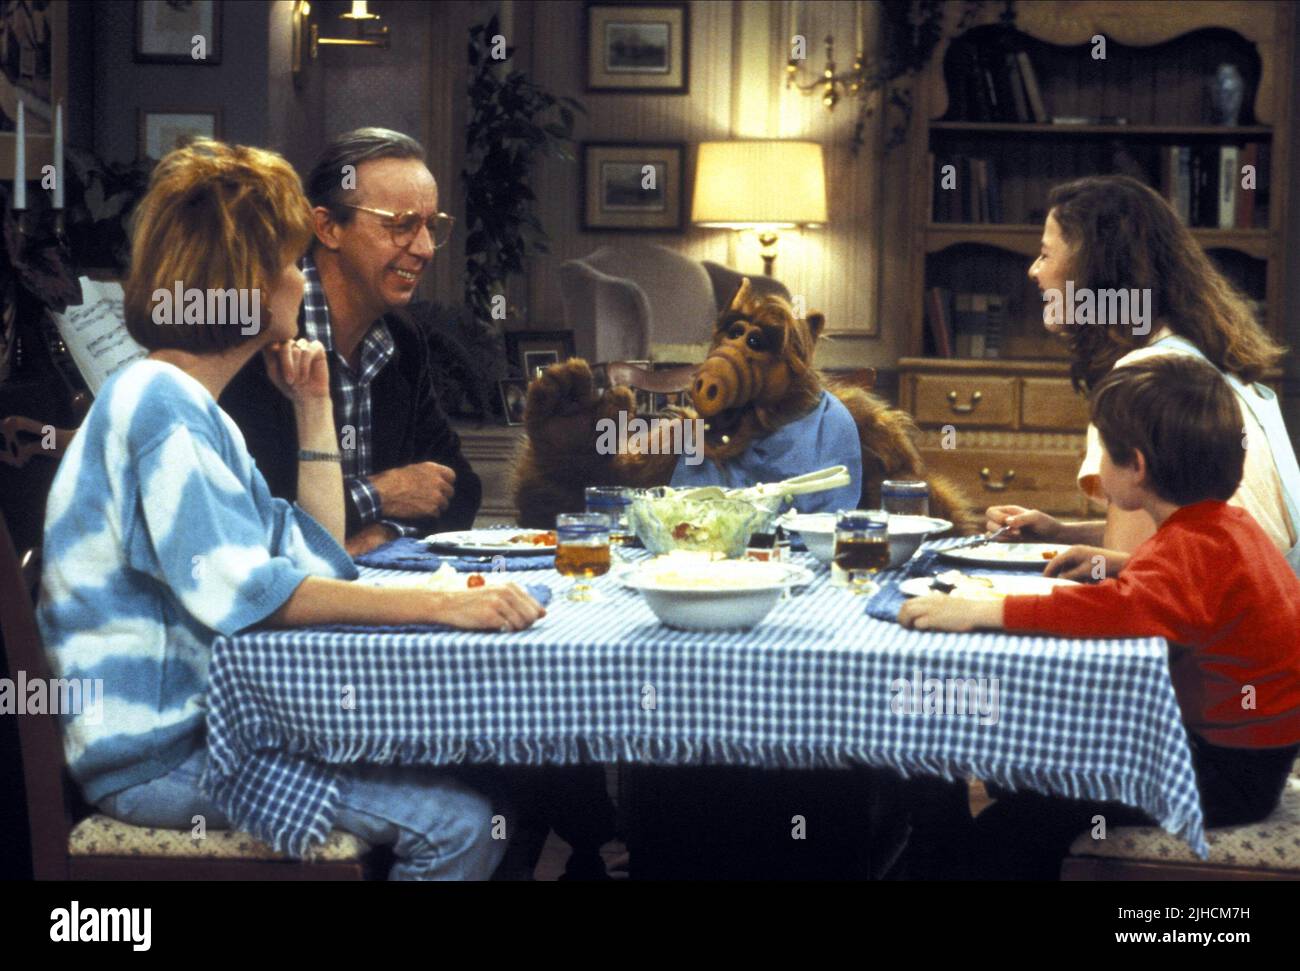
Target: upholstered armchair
{"x": 642, "y": 302}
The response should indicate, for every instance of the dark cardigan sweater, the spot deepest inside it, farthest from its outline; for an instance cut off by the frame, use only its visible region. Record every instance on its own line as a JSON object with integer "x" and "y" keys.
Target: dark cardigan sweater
{"x": 407, "y": 426}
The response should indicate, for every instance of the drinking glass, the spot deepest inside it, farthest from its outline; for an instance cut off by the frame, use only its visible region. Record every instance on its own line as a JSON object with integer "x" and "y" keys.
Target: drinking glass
{"x": 905, "y": 497}
{"x": 861, "y": 548}
{"x": 612, "y": 502}
{"x": 582, "y": 550}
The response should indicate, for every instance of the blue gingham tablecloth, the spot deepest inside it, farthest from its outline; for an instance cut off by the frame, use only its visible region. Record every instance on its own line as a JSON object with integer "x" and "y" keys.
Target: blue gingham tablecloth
{"x": 817, "y": 684}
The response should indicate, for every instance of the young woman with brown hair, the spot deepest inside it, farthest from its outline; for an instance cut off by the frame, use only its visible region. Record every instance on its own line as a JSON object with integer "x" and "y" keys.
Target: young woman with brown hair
{"x": 1112, "y": 233}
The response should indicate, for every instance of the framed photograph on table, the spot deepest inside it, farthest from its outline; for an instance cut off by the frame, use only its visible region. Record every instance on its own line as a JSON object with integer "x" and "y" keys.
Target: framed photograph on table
{"x": 161, "y": 131}
{"x": 641, "y": 48}
{"x": 514, "y": 395}
{"x": 33, "y": 71}
{"x": 629, "y": 186}
{"x": 177, "y": 33}
{"x": 527, "y": 350}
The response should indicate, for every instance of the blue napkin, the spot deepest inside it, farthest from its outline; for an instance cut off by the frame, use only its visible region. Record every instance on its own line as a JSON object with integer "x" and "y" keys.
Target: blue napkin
{"x": 885, "y": 602}
{"x": 409, "y": 553}
{"x": 539, "y": 592}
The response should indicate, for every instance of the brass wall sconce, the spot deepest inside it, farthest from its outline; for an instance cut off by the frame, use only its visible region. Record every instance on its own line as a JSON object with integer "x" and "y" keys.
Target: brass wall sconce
{"x": 369, "y": 32}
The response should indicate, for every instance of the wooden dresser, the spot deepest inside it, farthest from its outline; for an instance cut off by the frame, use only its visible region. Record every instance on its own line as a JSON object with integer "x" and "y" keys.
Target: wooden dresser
{"x": 1005, "y": 431}
{"x": 491, "y": 450}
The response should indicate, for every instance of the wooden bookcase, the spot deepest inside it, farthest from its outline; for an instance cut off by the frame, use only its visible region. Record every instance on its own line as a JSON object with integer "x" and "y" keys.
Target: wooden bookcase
{"x": 1159, "y": 57}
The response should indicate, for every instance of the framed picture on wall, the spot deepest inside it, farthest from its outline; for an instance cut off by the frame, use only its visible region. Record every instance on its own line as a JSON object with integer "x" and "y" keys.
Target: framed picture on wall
{"x": 167, "y": 32}
{"x": 527, "y": 350}
{"x": 633, "y": 187}
{"x": 639, "y": 48}
{"x": 34, "y": 71}
{"x": 161, "y": 131}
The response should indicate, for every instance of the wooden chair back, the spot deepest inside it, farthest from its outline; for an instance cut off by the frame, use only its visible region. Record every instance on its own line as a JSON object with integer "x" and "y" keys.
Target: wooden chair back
{"x": 49, "y": 814}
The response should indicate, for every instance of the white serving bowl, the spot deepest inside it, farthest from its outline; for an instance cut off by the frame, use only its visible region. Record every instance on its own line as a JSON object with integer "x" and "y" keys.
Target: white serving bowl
{"x": 712, "y": 595}
{"x": 906, "y": 534}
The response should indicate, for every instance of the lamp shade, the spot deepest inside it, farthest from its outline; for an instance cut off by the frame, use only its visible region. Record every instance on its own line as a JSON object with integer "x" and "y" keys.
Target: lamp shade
{"x": 759, "y": 183}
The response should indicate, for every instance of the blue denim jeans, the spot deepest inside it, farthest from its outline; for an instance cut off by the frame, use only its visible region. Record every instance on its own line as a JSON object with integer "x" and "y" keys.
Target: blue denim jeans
{"x": 439, "y": 828}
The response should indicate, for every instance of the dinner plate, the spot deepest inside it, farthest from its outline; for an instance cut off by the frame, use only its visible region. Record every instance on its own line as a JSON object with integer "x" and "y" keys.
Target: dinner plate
{"x": 1007, "y": 585}
{"x": 487, "y": 542}
{"x": 1006, "y": 554}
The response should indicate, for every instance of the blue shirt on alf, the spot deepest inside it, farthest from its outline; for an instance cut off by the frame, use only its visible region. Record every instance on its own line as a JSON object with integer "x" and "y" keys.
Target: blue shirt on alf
{"x": 825, "y": 436}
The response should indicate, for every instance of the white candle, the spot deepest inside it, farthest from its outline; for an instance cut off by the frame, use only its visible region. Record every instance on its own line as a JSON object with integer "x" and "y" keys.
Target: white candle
{"x": 359, "y": 9}
{"x": 20, "y": 160}
{"x": 857, "y": 23}
{"x": 58, "y": 155}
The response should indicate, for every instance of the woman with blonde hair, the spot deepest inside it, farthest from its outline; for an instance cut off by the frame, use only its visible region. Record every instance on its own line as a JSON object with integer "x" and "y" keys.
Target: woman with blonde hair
{"x": 161, "y": 534}
{"x": 1112, "y": 233}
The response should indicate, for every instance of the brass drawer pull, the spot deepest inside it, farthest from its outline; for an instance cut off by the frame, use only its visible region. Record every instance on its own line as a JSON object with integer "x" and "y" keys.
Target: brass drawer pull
{"x": 1007, "y": 476}
{"x": 975, "y": 398}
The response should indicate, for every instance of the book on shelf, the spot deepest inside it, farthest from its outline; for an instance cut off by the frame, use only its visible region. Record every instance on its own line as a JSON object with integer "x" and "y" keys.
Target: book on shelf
{"x": 1019, "y": 100}
{"x": 978, "y": 321}
{"x": 1033, "y": 94}
{"x": 1227, "y": 194}
{"x": 1089, "y": 120}
{"x": 977, "y": 196}
{"x": 1245, "y": 216}
{"x": 938, "y": 314}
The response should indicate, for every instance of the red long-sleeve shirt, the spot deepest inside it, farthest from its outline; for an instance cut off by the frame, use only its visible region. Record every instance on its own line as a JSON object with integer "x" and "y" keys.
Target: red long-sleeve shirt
{"x": 1214, "y": 585}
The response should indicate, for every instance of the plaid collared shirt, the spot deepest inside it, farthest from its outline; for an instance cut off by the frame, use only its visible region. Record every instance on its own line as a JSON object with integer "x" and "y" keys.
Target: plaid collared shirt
{"x": 377, "y": 349}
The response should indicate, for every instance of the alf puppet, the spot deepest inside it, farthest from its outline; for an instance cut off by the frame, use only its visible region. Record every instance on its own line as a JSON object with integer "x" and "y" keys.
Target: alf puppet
{"x": 767, "y": 415}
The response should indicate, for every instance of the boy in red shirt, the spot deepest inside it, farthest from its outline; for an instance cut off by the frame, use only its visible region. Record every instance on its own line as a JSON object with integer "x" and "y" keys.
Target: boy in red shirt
{"x": 1210, "y": 581}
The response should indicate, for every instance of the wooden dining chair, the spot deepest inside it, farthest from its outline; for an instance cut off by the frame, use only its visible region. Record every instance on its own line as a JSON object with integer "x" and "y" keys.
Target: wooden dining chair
{"x": 70, "y": 841}
{"x": 1267, "y": 850}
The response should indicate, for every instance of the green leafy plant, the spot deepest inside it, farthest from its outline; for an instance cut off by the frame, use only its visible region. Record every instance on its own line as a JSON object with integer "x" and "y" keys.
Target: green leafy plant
{"x": 101, "y": 197}
{"x": 910, "y": 31}
{"x": 512, "y": 123}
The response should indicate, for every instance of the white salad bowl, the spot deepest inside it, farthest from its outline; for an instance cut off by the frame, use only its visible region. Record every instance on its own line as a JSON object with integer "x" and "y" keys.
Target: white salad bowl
{"x": 712, "y": 595}
{"x": 906, "y": 534}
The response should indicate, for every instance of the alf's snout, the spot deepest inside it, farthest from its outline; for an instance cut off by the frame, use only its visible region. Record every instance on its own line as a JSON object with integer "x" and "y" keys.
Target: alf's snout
{"x": 722, "y": 382}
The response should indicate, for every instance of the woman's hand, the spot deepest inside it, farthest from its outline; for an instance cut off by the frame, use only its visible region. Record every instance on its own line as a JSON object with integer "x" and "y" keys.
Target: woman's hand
{"x": 1026, "y": 524}
{"x": 299, "y": 369}
{"x": 1086, "y": 563}
{"x": 501, "y": 608}
{"x": 938, "y": 611}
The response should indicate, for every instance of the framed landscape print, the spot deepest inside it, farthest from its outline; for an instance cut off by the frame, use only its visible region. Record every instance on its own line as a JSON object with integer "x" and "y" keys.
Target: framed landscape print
{"x": 33, "y": 70}
{"x": 633, "y": 187}
{"x": 634, "y": 47}
{"x": 161, "y": 131}
{"x": 167, "y": 32}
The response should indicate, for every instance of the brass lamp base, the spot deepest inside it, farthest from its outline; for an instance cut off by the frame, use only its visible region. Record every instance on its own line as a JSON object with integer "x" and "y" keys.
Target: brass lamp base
{"x": 767, "y": 240}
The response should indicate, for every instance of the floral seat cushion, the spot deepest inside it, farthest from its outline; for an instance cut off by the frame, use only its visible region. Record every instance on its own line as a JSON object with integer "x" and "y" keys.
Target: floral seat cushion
{"x": 100, "y": 835}
{"x": 1272, "y": 843}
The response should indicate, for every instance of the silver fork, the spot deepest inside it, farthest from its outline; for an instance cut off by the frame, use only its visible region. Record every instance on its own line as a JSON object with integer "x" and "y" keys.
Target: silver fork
{"x": 978, "y": 540}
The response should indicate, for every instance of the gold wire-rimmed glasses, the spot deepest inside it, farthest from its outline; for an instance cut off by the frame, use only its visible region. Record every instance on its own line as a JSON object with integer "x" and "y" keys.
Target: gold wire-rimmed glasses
{"x": 404, "y": 226}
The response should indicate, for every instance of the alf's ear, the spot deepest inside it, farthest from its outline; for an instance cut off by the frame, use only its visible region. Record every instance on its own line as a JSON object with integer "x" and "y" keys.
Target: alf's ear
{"x": 742, "y": 296}
{"x": 816, "y": 322}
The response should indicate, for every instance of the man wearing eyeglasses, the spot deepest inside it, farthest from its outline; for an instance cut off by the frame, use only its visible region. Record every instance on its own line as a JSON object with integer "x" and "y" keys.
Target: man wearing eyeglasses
{"x": 378, "y": 226}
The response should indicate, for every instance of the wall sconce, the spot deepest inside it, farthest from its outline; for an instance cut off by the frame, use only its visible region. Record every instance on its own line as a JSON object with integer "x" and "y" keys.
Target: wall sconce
{"x": 369, "y": 33}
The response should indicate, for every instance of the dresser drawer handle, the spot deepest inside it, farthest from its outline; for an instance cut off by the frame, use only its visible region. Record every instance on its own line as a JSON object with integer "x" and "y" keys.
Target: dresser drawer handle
{"x": 1007, "y": 476}
{"x": 975, "y": 398}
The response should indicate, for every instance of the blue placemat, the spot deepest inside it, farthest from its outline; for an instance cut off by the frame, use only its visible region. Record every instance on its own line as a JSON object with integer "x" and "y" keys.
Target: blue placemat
{"x": 885, "y": 603}
{"x": 409, "y": 553}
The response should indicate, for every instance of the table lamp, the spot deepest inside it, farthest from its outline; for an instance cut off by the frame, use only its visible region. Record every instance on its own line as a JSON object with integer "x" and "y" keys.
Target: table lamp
{"x": 765, "y": 186}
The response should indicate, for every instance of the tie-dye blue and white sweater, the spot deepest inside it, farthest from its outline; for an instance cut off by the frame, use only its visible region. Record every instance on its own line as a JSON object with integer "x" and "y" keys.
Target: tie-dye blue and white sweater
{"x": 160, "y": 533}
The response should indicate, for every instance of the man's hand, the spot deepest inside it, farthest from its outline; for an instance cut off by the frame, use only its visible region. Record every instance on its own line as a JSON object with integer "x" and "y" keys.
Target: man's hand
{"x": 415, "y": 491}
{"x": 299, "y": 369}
{"x": 1086, "y": 563}
{"x": 365, "y": 540}
{"x": 938, "y": 611}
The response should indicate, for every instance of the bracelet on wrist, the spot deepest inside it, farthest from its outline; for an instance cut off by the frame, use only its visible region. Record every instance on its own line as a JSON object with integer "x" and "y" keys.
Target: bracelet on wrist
{"x": 309, "y": 455}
